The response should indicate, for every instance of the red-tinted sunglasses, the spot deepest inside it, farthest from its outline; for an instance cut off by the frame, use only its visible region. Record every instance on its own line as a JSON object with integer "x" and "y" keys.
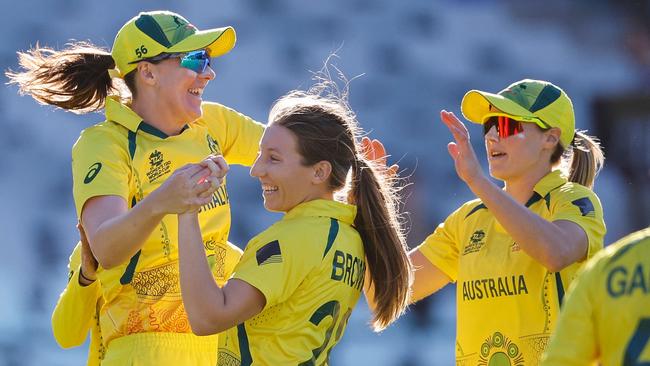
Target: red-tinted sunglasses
{"x": 506, "y": 126}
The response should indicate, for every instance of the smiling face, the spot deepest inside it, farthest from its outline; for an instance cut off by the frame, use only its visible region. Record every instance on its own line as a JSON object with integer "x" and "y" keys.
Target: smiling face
{"x": 516, "y": 156}
{"x": 286, "y": 182}
{"x": 179, "y": 90}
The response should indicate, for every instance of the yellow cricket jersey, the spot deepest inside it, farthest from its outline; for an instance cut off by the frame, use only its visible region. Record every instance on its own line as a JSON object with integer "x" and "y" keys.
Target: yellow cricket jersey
{"x": 77, "y": 311}
{"x": 127, "y": 157}
{"x": 507, "y": 302}
{"x": 310, "y": 267}
{"x": 606, "y": 315}
{"x": 78, "y": 307}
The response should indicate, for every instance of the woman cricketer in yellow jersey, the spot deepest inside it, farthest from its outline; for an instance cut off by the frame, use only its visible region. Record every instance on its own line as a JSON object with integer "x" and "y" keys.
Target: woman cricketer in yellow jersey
{"x": 606, "y": 315}
{"x": 514, "y": 250}
{"x": 78, "y": 307}
{"x": 298, "y": 281}
{"x": 131, "y": 173}
{"x": 77, "y": 310}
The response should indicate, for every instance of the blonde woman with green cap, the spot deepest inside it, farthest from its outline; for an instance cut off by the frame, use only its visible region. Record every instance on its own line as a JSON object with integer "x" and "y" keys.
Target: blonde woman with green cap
{"x": 514, "y": 250}
{"x": 156, "y": 155}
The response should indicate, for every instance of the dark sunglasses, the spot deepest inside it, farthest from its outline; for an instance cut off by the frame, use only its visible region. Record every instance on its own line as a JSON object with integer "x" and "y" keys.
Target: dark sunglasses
{"x": 196, "y": 61}
{"x": 506, "y": 126}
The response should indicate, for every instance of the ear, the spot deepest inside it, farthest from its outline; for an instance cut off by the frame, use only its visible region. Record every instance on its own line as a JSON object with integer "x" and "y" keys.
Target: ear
{"x": 552, "y": 137}
{"x": 322, "y": 172}
{"x": 147, "y": 73}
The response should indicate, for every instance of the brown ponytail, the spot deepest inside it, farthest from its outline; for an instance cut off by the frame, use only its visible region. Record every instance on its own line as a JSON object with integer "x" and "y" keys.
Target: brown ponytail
{"x": 386, "y": 253}
{"x": 584, "y": 159}
{"x": 326, "y": 130}
{"x": 75, "y": 78}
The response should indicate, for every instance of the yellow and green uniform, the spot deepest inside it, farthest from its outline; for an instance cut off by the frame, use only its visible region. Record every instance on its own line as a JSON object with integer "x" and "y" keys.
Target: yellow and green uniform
{"x": 77, "y": 311}
{"x": 507, "y": 302}
{"x": 310, "y": 268}
{"x": 78, "y": 307}
{"x": 127, "y": 157}
{"x": 606, "y": 315}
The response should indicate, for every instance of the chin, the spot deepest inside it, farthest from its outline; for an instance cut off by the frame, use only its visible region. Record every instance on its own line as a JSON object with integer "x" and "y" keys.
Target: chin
{"x": 270, "y": 207}
{"x": 497, "y": 174}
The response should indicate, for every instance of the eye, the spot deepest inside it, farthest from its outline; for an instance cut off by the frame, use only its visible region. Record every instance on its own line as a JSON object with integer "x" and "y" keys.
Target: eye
{"x": 274, "y": 158}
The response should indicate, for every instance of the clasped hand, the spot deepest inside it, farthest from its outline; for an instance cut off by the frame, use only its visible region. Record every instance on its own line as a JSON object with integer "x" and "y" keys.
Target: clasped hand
{"x": 192, "y": 185}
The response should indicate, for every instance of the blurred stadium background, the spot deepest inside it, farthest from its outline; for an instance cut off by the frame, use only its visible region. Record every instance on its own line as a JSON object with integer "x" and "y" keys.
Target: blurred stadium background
{"x": 416, "y": 57}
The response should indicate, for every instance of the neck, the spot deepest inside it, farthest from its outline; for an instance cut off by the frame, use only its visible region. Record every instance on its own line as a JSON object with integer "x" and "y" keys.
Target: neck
{"x": 521, "y": 188}
{"x": 152, "y": 113}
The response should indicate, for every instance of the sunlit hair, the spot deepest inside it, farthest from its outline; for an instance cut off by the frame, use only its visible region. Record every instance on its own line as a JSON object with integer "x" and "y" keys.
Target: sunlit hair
{"x": 327, "y": 130}
{"x": 582, "y": 160}
{"x": 75, "y": 78}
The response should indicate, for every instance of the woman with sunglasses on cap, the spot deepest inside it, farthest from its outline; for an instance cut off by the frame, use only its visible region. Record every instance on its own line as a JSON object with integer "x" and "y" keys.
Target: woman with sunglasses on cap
{"x": 514, "y": 250}
{"x": 299, "y": 280}
{"x": 133, "y": 170}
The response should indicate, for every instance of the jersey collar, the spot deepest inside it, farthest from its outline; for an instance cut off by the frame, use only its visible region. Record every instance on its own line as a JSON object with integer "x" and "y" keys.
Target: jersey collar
{"x": 122, "y": 114}
{"x": 336, "y": 210}
{"x": 549, "y": 182}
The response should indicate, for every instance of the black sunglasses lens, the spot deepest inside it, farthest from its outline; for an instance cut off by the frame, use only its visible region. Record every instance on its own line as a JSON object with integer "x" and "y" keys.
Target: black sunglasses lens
{"x": 491, "y": 122}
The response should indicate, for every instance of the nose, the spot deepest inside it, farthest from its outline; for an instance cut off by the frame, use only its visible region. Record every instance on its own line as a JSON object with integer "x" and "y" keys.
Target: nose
{"x": 256, "y": 169}
{"x": 208, "y": 74}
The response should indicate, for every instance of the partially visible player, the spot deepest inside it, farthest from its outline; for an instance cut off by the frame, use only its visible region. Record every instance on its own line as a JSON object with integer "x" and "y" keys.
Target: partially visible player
{"x": 298, "y": 281}
{"x": 514, "y": 250}
{"x": 606, "y": 315}
{"x": 77, "y": 310}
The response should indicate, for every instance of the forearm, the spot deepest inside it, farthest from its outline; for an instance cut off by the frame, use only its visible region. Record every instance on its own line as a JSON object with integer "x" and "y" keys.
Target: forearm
{"x": 543, "y": 240}
{"x": 115, "y": 240}
{"x": 73, "y": 314}
{"x": 203, "y": 299}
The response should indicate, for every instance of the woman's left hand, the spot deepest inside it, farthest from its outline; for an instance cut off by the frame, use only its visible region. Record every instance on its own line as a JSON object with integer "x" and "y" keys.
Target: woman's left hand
{"x": 467, "y": 165}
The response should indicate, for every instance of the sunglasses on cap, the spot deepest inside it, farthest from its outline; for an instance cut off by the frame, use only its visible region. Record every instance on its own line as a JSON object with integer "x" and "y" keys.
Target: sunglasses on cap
{"x": 196, "y": 61}
{"x": 505, "y": 126}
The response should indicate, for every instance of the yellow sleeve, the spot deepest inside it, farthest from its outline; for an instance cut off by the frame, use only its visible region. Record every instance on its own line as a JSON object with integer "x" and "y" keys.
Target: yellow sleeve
{"x": 581, "y": 206}
{"x": 573, "y": 341}
{"x": 233, "y": 256}
{"x": 277, "y": 264}
{"x": 238, "y": 135}
{"x": 441, "y": 247}
{"x": 100, "y": 165}
{"x": 73, "y": 315}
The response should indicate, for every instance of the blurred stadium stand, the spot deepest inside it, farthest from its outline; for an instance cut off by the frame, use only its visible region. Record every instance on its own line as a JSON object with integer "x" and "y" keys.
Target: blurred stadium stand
{"x": 416, "y": 57}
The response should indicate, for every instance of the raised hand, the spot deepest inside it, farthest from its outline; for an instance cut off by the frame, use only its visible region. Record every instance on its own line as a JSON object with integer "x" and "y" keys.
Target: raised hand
{"x": 374, "y": 150}
{"x": 187, "y": 189}
{"x": 465, "y": 161}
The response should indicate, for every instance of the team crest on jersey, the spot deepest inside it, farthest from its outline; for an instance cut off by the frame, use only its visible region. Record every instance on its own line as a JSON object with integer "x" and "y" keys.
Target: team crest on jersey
{"x": 476, "y": 242}
{"x": 498, "y": 350}
{"x": 213, "y": 145}
{"x": 157, "y": 166}
{"x": 515, "y": 247}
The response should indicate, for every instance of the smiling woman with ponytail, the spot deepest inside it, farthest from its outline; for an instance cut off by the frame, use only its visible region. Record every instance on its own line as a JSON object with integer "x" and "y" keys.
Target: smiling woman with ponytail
{"x": 298, "y": 281}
